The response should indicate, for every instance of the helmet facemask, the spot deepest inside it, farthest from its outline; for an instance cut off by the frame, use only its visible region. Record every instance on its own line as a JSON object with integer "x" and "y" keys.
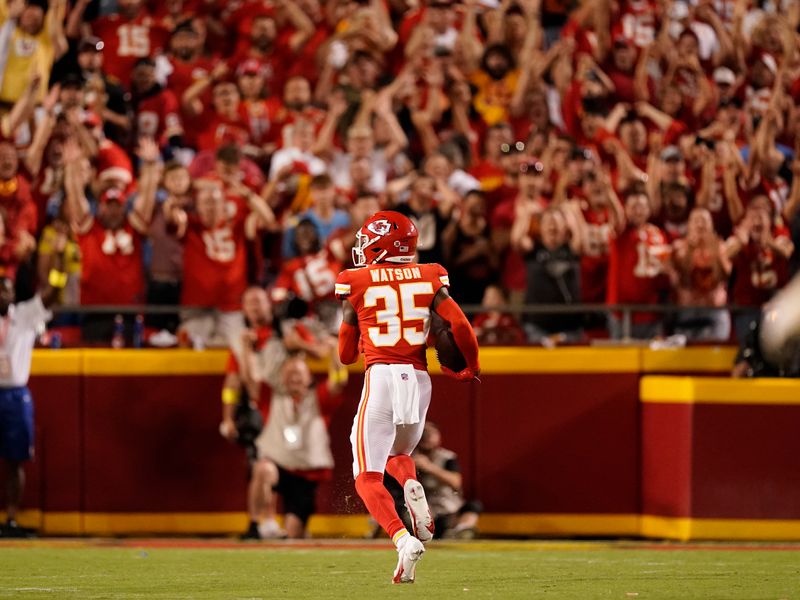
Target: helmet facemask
{"x": 359, "y": 258}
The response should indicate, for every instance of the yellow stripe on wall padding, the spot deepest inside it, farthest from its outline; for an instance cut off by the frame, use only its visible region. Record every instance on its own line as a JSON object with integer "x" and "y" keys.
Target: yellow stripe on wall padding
{"x": 358, "y": 526}
{"x": 107, "y": 362}
{"x": 719, "y": 390}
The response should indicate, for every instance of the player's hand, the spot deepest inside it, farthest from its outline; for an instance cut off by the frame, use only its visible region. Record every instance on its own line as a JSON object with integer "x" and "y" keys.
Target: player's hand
{"x": 227, "y": 429}
{"x": 463, "y": 375}
{"x": 423, "y": 463}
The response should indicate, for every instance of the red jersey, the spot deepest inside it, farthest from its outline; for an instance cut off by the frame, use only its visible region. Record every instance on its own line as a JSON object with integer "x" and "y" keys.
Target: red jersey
{"x": 217, "y": 130}
{"x": 594, "y": 260}
{"x": 126, "y": 41}
{"x": 760, "y": 272}
{"x": 17, "y": 202}
{"x": 636, "y": 266}
{"x": 311, "y": 277}
{"x": 272, "y": 66}
{"x": 638, "y": 21}
{"x": 158, "y": 116}
{"x": 262, "y": 119}
{"x": 489, "y": 174}
{"x": 393, "y": 306}
{"x": 111, "y": 264}
{"x": 215, "y": 263}
{"x": 185, "y": 74}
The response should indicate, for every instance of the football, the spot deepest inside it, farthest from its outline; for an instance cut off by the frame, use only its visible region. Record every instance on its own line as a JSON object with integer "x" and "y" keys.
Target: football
{"x": 447, "y": 351}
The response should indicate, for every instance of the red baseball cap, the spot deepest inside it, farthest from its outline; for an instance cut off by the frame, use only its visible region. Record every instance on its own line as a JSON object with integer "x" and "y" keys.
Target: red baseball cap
{"x": 250, "y": 67}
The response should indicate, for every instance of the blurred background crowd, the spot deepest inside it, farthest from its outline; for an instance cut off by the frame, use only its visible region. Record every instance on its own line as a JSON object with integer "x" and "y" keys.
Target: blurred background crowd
{"x": 551, "y": 152}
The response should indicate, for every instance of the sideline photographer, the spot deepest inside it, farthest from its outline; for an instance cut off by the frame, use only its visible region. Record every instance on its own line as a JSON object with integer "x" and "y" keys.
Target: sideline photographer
{"x": 252, "y": 373}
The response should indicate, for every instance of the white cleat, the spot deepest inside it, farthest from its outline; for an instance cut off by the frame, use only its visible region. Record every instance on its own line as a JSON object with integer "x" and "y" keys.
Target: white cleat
{"x": 417, "y": 505}
{"x": 408, "y": 557}
{"x": 270, "y": 530}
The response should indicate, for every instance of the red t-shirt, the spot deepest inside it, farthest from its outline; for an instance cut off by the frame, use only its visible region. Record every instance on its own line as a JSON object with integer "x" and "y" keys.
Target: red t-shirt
{"x": 594, "y": 260}
{"x": 513, "y": 274}
{"x": 20, "y": 209}
{"x": 158, "y": 116}
{"x": 636, "y": 266}
{"x": 759, "y": 273}
{"x": 272, "y": 65}
{"x": 126, "y": 41}
{"x": 215, "y": 263}
{"x": 111, "y": 264}
{"x": 263, "y": 119}
{"x": 311, "y": 277}
{"x": 392, "y": 303}
{"x": 185, "y": 74}
{"x": 217, "y": 130}
{"x": 489, "y": 174}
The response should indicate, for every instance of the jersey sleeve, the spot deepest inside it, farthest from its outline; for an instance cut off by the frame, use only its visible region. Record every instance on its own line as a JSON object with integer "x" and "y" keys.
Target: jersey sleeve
{"x": 438, "y": 276}
{"x": 344, "y": 283}
{"x": 283, "y": 284}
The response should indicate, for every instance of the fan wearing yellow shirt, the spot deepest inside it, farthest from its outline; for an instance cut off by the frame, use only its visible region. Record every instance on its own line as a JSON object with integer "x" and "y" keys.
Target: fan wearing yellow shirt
{"x": 30, "y": 41}
{"x": 495, "y": 81}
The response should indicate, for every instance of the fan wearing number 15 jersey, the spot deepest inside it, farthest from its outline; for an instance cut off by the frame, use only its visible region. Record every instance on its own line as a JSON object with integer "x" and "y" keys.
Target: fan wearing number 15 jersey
{"x": 128, "y": 35}
{"x": 386, "y": 315}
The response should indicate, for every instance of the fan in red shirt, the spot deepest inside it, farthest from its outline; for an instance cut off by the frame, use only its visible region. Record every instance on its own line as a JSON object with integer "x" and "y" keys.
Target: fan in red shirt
{"x": 189, "y": 66}
{"x": 760, "y": 253}
{"x": 111, "y": 241}
{"x": 312, "y": 273}
{"x": 225, "y": 120}
{"x": 638, "y": 19}
{"x": 637, "y": 263}
{"x": 488, "y": 169}
{"x": 269, "y": 116}
{"x": 261, "y": 46}
{"x": 495, "y": 326}
{"x": 186, "y": 59}
{"x": 129, "y": 35}
{"x": 215, "y": 258}
{"x": 605, "y": 219}
{"x": 156, "y": 108}
{"x": 17, "y": 211}
{"x": 15, "y": 193}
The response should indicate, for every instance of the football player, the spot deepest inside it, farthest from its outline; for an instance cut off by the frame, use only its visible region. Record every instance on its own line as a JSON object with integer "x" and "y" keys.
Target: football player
{"x": 387, "y": 301}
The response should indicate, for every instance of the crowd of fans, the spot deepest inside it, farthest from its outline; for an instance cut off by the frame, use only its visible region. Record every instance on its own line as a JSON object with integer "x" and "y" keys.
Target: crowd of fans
{"x": 550, "y": 152}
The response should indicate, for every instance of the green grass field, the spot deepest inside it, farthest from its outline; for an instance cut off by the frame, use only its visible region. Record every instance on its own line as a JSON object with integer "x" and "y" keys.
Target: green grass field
{"x": 175, "y": 569}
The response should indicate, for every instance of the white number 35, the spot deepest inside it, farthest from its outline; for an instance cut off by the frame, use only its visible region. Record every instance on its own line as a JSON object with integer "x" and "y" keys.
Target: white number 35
{"x": 399, "y": 313}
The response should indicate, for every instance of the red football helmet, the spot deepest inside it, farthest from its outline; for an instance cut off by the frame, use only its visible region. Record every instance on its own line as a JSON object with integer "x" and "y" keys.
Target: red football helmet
{"x": 387, "y": 236}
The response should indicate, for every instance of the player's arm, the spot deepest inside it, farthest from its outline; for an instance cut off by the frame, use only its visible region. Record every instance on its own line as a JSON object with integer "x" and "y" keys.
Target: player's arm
{"x": 257, "y": 205}
{"x": 463, "y": 334}
{"x": 449, "y": 475}
{"x": 348, "y": 334}
{"x": 231, "y": 391}
{"x": 149, "y": 177}
{"x": 76, "y": 26}
{"x": 53, "y": 265}
{"x": 76, "y": 205}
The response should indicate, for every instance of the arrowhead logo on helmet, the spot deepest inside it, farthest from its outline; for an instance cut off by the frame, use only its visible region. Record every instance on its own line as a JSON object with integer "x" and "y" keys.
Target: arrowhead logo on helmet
{"x": 380, "y": 227}
{"x": 389, "y": 236}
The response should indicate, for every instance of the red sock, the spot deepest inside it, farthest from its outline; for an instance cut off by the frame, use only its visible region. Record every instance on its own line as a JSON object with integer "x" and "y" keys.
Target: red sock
{"x": 402, "y": 468}
{"x": 379, "y": 502}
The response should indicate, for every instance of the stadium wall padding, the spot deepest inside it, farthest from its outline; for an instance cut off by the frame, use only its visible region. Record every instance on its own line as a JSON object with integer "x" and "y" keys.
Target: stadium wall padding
{"x": 574, "y": 441}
